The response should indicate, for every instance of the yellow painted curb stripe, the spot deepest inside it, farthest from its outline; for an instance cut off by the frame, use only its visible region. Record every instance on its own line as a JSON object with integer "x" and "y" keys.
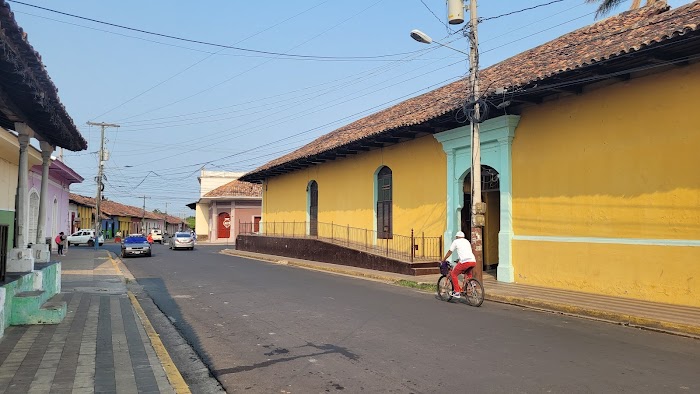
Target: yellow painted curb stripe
{"x": 171, "y": 370}
{"x": 114, "y": 263}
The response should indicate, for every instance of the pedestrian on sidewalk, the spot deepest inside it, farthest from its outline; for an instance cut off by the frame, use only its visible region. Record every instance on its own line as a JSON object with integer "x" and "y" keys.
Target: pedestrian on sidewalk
{"x": 60, "y": 242}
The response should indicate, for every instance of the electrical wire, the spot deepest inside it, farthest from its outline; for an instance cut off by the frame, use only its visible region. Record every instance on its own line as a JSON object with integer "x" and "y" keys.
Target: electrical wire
{"x": 271, "y": 53}
{"x": 519, "y": 11}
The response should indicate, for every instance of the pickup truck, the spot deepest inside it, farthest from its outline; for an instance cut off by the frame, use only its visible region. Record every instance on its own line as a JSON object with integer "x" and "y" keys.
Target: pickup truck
{"x": 157, "y": 236}
{"x": 84, "y": 237}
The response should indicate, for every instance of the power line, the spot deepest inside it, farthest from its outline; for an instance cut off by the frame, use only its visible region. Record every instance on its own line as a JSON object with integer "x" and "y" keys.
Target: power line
{"x": 436, "y": 17}
{"x": 519, "y": 11}
{"x": 271, "y": 53}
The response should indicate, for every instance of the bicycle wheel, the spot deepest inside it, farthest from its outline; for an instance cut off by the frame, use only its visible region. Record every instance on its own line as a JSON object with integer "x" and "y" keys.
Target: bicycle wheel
{"x": 475, "y": 292}
{"x": 444, "y": 287}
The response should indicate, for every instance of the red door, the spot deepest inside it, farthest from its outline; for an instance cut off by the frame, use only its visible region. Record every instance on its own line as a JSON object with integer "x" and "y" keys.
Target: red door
{"x": 256, "y": 224}
{"x": 224, "y": 227}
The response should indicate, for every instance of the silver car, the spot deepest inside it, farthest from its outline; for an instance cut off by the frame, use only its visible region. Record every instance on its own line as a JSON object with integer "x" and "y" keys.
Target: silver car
{"x": 182, "y": 241}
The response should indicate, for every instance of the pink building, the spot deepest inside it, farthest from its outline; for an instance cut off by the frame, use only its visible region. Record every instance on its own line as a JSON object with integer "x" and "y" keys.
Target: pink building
{"x": 57, "y": 217}
{"x": 220, "y": 211}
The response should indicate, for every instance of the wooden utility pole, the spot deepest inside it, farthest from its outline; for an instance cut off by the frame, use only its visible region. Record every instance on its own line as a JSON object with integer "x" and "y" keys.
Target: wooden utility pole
{"x": 143, "y": 216}
{"x": 478, "y": 208}
{"x": 102, "y": 157}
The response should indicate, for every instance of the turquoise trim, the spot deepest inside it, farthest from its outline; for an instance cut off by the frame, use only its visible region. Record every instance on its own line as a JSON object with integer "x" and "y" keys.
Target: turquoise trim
{"x": 619, "y": 241}
{"x": 496, "y": 151}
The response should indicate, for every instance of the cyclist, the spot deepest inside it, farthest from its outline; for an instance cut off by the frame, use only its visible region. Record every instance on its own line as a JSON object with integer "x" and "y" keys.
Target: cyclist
{"x": 466, "y": 262}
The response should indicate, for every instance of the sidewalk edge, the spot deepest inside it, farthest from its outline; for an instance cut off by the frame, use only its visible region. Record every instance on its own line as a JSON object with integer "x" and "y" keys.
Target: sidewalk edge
{"x": 588, "y": 313}
{"x": 174, "y": 376}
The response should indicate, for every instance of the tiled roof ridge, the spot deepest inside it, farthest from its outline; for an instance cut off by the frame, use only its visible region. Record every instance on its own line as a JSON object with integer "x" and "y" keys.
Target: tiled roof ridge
{"x": 236, "y": 188}
{"x": 623, "y": 37}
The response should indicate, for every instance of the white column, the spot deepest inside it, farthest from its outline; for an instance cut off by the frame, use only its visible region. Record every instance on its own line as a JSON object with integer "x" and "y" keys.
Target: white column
{"x": 42, "y": 251}
{"x": 21, "y": 259}
{"x": 24, "y": 136}
{"x": 46, "y": 151}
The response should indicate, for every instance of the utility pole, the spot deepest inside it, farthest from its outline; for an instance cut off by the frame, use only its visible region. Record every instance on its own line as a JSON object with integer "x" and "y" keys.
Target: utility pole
{"x": 143, "y": 216}
{"x": 478, "y": 208}
{"x": 165, "y": 221}
{"x": 102, "y": 157}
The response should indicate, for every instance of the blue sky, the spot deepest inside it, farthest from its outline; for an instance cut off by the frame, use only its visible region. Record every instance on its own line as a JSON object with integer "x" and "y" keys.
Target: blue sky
{"x": 184, "y": 105}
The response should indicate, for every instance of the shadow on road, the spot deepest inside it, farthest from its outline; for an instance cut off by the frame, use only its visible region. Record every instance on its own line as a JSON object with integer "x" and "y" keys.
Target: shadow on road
{"x": 324, "y": 349}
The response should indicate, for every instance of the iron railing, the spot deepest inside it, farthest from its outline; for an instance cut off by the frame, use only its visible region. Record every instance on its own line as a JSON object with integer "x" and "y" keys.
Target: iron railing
{"x": 4, "y": 234}
{"x": 416, "y": 247}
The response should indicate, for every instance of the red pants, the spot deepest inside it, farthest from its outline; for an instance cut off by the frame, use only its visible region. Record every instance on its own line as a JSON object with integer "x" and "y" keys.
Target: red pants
{"x": 461, "y": 268}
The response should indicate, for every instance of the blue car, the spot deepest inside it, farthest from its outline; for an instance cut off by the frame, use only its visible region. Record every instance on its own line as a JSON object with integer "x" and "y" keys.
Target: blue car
{"x": 136, "y": 245}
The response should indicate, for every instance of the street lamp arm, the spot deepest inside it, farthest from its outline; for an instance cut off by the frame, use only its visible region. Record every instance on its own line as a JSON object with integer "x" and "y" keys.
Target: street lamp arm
{"x": 426, "y": 39}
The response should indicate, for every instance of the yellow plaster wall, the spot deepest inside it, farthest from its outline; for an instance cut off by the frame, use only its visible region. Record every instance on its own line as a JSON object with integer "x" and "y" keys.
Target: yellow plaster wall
{"x": 85, "y": 214}
{"x": 202, "y": 220}
{"x": 346, "y": 189}
{"x": 617, "y": 162}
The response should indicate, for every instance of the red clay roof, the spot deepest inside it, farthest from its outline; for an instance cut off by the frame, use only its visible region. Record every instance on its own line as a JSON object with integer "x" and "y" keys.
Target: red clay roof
{"x": 237, "y": 189}
{"x": 626, "y": 33}
{"x": 113, "y": 208}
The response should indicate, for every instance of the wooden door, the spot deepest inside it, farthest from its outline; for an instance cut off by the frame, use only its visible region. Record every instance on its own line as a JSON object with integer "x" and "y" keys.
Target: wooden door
{"x": 313, "y": 209}
{"x": 256, "y": 224}
{"x": 224, "y": 225}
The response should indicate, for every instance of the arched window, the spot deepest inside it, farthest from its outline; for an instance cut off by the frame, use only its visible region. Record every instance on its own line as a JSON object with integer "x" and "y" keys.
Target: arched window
{"x": 384, "y": 204}
{"x": 33, "y": 216}
{"x": 313, "y": 207}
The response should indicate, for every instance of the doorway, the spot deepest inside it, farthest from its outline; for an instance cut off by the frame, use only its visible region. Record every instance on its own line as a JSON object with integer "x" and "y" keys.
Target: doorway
{"x": 490, "y": 194}
{"x": 313, "y": 209}
{"x": 224, "y": 225}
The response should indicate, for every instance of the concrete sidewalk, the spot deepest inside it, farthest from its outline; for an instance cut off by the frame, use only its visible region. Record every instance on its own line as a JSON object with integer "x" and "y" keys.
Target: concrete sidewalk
{"x": 102, "y": 346}
{"x": 676, "y": 319}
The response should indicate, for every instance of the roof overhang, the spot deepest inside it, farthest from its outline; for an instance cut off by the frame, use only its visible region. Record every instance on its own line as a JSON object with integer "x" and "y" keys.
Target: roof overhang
{"x": 676, "y": 51}
{"x": 27, "y": 94}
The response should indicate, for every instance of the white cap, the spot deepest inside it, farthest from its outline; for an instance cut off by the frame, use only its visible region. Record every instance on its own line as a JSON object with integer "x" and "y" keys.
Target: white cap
{"x": 460, "y": 234}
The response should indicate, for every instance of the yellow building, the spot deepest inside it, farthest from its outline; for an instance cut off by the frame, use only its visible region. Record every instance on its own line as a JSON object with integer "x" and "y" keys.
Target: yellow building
{"x": 588, "y": 164}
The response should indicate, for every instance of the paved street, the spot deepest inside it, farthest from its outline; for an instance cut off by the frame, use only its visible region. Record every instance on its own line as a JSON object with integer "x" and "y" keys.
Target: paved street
{"x": 270, "y": 328}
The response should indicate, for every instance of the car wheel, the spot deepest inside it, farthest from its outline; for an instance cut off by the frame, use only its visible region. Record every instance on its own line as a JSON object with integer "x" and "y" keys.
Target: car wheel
{"x": 68, "y": 243}
{"x": 91, "y": 243}
{"x": 102, "y": 244}
{"x": 123, "y": 255}
{"x": 149, "y": 254}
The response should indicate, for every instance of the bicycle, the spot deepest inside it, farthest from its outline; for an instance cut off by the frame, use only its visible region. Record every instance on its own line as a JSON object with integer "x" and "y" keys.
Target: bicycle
{"x": 472, "y": 289}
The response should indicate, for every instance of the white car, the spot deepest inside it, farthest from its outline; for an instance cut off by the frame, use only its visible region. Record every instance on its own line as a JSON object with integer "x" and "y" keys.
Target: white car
{"x": 84, "y": 237}
{"x": 157, "y": 236}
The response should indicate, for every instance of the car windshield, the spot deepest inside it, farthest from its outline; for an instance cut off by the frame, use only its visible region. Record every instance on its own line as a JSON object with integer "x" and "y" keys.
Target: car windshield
{"x": 135, "y": 240}
{"x": 182, "y": 235}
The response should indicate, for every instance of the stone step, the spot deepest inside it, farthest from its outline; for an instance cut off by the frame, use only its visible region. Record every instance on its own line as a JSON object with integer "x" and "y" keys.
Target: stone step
{"x": 31, "y": 307}
{"x": 426, "y": 271}
{"x": 425, "y": 264}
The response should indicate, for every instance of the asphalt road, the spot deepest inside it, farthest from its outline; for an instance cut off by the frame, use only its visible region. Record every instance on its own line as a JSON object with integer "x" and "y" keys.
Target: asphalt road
{"x": 268, "y": 328}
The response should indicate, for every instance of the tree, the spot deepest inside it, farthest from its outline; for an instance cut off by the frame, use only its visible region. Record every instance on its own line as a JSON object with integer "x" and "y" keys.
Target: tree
{"x": 607, "y": 5}
{"x": 157, "y": 211}
{"x": 190, "y": 221}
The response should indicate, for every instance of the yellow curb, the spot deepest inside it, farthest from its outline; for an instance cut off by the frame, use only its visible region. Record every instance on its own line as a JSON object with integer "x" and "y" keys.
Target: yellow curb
{"x": 114, "y": 264}
{"x": 174, "y": 376}
{"x": 615, "y": 317}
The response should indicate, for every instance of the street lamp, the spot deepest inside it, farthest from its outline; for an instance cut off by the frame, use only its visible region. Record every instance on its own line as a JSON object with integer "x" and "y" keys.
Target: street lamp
{"x": 478, "y": 208}
{"x": 426, "y": 39}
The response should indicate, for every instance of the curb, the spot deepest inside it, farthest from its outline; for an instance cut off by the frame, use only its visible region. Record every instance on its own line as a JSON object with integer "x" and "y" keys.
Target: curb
{"x": 547, "y": 306}
{"x": 174, "y": 376}
{"x": 341, "y": 271}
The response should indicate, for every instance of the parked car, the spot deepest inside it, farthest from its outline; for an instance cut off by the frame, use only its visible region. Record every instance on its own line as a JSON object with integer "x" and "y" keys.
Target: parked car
{"x": 84, "y": 237}
{"x": 157, "y": 235}
{"x": 136, "y": 245}
{"x": 182, "y": 241}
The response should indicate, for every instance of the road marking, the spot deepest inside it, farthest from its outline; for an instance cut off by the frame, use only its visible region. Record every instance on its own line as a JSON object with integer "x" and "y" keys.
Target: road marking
{"x": 174, "y": 376}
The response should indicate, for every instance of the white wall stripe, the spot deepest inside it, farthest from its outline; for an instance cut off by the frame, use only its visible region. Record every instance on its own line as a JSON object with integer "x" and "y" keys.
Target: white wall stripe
{"x": 621, "y": 241}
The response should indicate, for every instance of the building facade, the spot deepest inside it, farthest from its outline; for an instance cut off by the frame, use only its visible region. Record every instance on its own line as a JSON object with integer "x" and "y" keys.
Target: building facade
{"x": 583, "y": 192}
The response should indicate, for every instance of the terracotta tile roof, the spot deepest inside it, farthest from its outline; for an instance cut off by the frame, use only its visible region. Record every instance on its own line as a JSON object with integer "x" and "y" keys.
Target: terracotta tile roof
{"x": 237, "y": 189}
{"x": 24, "y": 79}
{"x": 623, "y": 34}
{"x": 113, "y": 208}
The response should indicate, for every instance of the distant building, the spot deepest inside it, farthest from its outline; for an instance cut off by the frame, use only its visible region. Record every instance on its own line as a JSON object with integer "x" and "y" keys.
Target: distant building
{"x": 224, "y": 203}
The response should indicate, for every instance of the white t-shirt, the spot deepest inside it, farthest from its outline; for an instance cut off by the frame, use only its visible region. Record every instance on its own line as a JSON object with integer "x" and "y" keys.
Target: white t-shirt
{"x": 464, "y": 250}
